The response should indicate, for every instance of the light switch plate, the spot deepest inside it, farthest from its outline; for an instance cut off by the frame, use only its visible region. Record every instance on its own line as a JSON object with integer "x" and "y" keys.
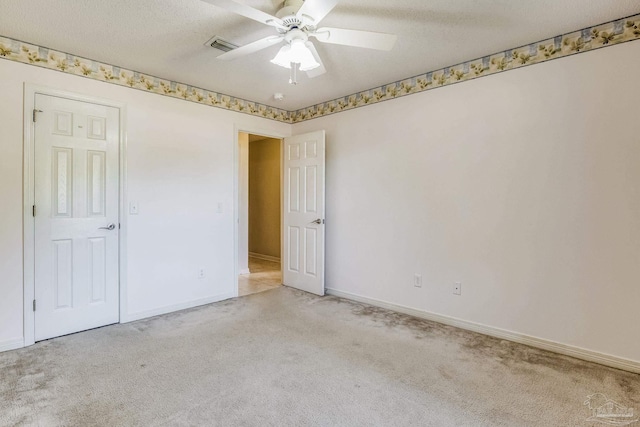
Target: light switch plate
{"x": 133, "y": 208}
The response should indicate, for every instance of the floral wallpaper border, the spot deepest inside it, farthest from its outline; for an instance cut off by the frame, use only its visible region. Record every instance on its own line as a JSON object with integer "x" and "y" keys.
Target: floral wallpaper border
{"x": 27, "y": 53}
{"x": 596, "y": 37}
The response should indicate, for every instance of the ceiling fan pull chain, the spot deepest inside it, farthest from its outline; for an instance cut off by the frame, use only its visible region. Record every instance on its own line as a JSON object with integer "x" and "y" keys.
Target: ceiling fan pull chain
{"x": 293, "y": 80}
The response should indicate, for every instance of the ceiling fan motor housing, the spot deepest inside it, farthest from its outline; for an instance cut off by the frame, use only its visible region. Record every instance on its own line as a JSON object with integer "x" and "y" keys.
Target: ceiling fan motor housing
{"x": 288, "y": 14}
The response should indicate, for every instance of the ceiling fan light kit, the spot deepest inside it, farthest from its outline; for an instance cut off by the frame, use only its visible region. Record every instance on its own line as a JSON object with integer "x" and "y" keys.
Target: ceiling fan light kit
{"x": 295, "y": 22}
{"x": 296, "y": 53}
{"x": 296, "y": 56}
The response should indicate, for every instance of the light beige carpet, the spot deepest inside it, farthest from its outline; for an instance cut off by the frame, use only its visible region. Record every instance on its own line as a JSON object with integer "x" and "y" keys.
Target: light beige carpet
{"x": 286, "y": 358}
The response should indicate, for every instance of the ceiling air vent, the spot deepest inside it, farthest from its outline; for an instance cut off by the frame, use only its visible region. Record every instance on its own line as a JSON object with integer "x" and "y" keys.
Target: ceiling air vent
{"x": 220, "y": 44}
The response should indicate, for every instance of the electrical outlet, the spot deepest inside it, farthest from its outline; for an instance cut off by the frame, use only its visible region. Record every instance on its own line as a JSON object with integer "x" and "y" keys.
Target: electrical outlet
{"x": 201, "y": 273}
{"x": 417, "y": 280}
{"x": 457, "y": 288}
{"x": 220, "y": 207}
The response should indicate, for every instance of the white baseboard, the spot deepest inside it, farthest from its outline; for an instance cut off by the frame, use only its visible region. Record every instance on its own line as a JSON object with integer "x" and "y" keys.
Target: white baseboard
{"x": 244, "y": 271}
{"x": 264, "y": 257}
{"x": 11, "y": 344}
{"x": 175, "y": 307}
{"x": 567, "y": 350}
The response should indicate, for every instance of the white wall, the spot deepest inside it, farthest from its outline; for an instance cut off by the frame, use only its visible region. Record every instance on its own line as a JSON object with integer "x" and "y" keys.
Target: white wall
{"x": 180, "y": 165}
{"x": 525, "y": 186}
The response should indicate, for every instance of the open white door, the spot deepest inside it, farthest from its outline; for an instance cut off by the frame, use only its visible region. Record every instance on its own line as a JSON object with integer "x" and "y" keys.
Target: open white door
{"x": 303, "y": 251}
{"x": 76, "y": 216}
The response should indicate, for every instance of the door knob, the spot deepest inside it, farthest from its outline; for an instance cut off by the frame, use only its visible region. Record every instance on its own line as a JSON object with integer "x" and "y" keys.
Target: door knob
{"x": 317, "y": 221}
{"x": 111, "y": 226}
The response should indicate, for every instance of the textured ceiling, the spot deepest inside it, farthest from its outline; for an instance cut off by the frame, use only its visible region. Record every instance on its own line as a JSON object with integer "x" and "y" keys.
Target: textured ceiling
{"x": 165, "y": 38}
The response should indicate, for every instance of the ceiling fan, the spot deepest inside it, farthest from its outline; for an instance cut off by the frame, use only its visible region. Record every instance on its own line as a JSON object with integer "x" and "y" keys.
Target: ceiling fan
{"x": 295, "y": 22}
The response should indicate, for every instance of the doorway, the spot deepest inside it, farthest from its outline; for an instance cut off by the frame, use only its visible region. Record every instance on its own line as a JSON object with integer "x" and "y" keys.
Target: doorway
{"x": 259, "y": 257}
{"x": 302, "y": 222}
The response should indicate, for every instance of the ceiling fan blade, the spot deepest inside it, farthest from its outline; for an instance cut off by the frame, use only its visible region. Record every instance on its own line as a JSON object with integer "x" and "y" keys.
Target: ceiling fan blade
{"x": 251, "y": 48}
{"x": 247, "y": 12}
{"x": 357, "y": 38}
{"x": 316, "y": 9}
{"x": 318, "y": 70}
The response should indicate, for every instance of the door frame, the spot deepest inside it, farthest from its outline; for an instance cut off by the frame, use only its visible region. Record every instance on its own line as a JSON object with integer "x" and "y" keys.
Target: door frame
{"x": 236, "y": 192}
{"x": 28, "y": 175}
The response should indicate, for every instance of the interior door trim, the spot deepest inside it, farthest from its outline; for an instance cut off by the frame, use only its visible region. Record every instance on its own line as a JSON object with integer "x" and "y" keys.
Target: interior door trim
{"x": 30, "y": 92}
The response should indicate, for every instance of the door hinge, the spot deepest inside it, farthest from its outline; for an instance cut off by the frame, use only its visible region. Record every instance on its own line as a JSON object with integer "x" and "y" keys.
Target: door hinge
{"x": 34, "y": 305}
{"x": 33, "y": 210}
{"x": 34, "y": 114}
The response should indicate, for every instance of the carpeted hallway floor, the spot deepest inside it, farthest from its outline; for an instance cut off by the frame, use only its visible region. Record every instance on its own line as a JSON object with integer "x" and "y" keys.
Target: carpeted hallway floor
{"x": 286, "y": 358}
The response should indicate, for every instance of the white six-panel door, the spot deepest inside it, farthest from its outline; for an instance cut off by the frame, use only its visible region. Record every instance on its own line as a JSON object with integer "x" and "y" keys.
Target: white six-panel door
{"x": 76, "y": 216}
{"x": 304, "y": 171}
